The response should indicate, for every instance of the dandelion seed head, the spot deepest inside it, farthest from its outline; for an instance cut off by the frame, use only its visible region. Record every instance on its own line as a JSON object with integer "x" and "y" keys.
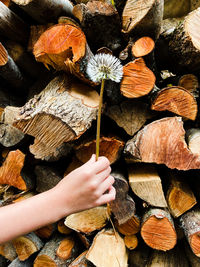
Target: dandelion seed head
{"x": 104, "y": 66}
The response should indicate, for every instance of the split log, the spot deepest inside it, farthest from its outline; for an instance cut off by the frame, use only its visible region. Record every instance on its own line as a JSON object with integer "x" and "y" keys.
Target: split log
{"x": 130, "y": 115}
{"x": 143, "y": 17}
{"x": 69, "y": 54}
{"x": 12, "y": 26}
{"x": 47, "y": 10}
{"x": 24, "y": 60}
{"x": 158, "y": 230}
{"x": 95, "y": 17}
{"x": 88, "y": 221}
{"x": 138, "y": 80}
{"x": 174, "y": 257}
{"x": 10, "y": 71}
{"x": 27, "y": 245}
{"x": 80, "y": 261}
{"x": 46, "y": 178}
{"x": 145, "y": 182}
{"x": 143, "y": 46}
{"x": 110, "y": 147}
{"x": 62, "y": 228}
{"x": 131, "y": 241}
{"x": 159, "y": 143}
{"x": 46, "y": 231}
{"x": 190, "y": 82}
{"x": 123, "y": 207}
{"x": 108, "y": 249}
{"x": 54, "y": 253}
{"x": 180, "y": 197}
{"x": 27, "y": 263}
{"x": 10, "y": 171}
{"x": 8, "y": 251}
{"x": 176, "y": 99}
{"x": 9, "y": 135}
{"x": 193, "y": 140}
{"x": 190, "y": 223}
{"x": 70, "y": 114}
{"x": 130, "y": 227}
{"x": 184, "y": 47}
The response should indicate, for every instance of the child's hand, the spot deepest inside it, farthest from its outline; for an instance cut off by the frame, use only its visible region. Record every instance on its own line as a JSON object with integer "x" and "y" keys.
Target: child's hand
{"x": 85, "y": 187}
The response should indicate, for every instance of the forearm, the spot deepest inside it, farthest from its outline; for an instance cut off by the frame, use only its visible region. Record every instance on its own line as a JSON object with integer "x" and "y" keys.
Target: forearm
{"x": 29, "y": 215}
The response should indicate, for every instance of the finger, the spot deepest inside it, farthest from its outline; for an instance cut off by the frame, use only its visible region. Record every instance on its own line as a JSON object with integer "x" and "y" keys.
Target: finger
{"x": 105, "y": 185}
{"x": 92, "y": 159}
{"x": 101, "y": 176}
{"x": 110, "y": 196}
{"x": 101, "y": 164}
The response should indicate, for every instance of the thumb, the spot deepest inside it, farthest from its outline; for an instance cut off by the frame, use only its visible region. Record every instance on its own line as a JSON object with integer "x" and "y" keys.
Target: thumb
{"x": 92, "y": 159}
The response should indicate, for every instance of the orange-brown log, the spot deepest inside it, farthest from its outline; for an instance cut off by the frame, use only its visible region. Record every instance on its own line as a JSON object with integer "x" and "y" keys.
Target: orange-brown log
{"x": 131, "y": 241}
{"x": 190, "y": 223}
{"x": 138, "y": 80}
{"x": 64, "y": 47}
{"x": 80, "y": 261}
{"x": 190, "y": 82}
{"x": 158, "y": 230}
{"x": 46, "y": 231}
{"x": 62, "y": 228}
{"x": 5, "y": 2}
{"x": 143, "y": 46}
{"x": 180, "y": 197}
{"x": 65, "y": 248}
{"x": 8, "y": 251}
{"x": 10, "y": 171}
{"x": 110, "y": 147}
{"x": 130, "y": 227}
{"x": 159, "y": 142}
{"x": 177, "y": 100}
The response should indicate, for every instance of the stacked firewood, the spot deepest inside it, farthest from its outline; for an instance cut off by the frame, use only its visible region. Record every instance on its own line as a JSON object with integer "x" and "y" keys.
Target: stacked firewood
{"x": 150, "y": 128}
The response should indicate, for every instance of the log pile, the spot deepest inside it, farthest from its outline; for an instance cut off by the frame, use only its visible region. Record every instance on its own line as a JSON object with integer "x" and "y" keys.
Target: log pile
{"x": 150, "y": 128}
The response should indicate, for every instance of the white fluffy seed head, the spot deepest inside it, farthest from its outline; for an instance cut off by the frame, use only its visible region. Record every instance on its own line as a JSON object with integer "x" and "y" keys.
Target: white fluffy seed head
{"x": 104, "y": 66}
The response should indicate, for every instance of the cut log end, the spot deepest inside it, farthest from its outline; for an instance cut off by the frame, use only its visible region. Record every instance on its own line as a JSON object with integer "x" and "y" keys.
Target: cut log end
{"x": 142, "y": 47}
{"x": 131, "y": 227}
{"x": 195, "y": 243}
{"x": 131, "y": 241}
{"x": 44, "y": 260}
{"x": 191, "y": 25}
{"x": 3, "y": 55}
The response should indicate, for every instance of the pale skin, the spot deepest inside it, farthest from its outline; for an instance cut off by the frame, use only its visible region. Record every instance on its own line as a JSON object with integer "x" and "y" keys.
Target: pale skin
{"x": 88, "y": 186}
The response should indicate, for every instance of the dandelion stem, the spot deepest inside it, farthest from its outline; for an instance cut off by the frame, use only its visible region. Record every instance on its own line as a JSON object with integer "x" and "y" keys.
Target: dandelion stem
{"x": 99, "y": 119}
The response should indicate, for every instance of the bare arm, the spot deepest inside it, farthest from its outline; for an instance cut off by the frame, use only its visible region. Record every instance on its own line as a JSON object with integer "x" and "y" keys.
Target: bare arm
{"x": 81, "y": 189}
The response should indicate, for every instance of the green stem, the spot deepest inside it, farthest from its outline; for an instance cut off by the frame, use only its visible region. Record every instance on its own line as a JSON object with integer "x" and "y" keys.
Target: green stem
{"x": 99, "y": 119}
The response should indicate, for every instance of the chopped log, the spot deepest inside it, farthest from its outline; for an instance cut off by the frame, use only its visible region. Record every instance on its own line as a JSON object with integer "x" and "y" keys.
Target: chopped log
{"x": 138, "y": 80}
{"x": 51, "y": 252}
{"x": 142, "y": 47}
{"x": 174, "y": 9}
{"x": 10, "y": 171}
{"x": 8, "y": 251}
{"x": 12, "y": 26}
{"x": 131, "y": 115}
{"x": 123, "y": 207}
{"x": 159, "y": 143}
{"x": 145, "y": 182}
{"x": 46, "y": 178}
{"x": 130, "y": 227}
{"x": 108, "y": 249}
{"x": 27, "y": 245}
{"x": 190, "y": 82}
{"x": 192, "y": 258}
{"x": 88, "y": 221}
{"x": 46, "y": 231}
{"x": 80, "y": 261}
{"x": 131, "y": 241}
{"x": 143, "y": 17}
{"x": 184, "y": 47}
{"x": 193, "y": 140}
{"x": 70, "y": 114}
{"x": 190, "y": 222}
{"x": 180, "y": 197}
{"x": 66, "y": 248}
{"x": 69, "y": 54}
{"x": 24, "y": 60}
{"x": 27, "y": 263}
{"x": 62, "y": 228}
{"x": 95, "y": 17}
{"x": 46, "y": 10}
{"x": 158, "y": 230}
{"x": 176, "y": 99}
{"x": 110, "y": 147}
{"x": 9, "y": 135}
{"x": 139, "y": 256}
{"x": 174, "y": 257}
{"x": 10, "y": 71}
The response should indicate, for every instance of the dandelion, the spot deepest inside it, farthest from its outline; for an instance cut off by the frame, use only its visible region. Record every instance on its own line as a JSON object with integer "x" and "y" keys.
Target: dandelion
{"x": 103, "y": 67}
